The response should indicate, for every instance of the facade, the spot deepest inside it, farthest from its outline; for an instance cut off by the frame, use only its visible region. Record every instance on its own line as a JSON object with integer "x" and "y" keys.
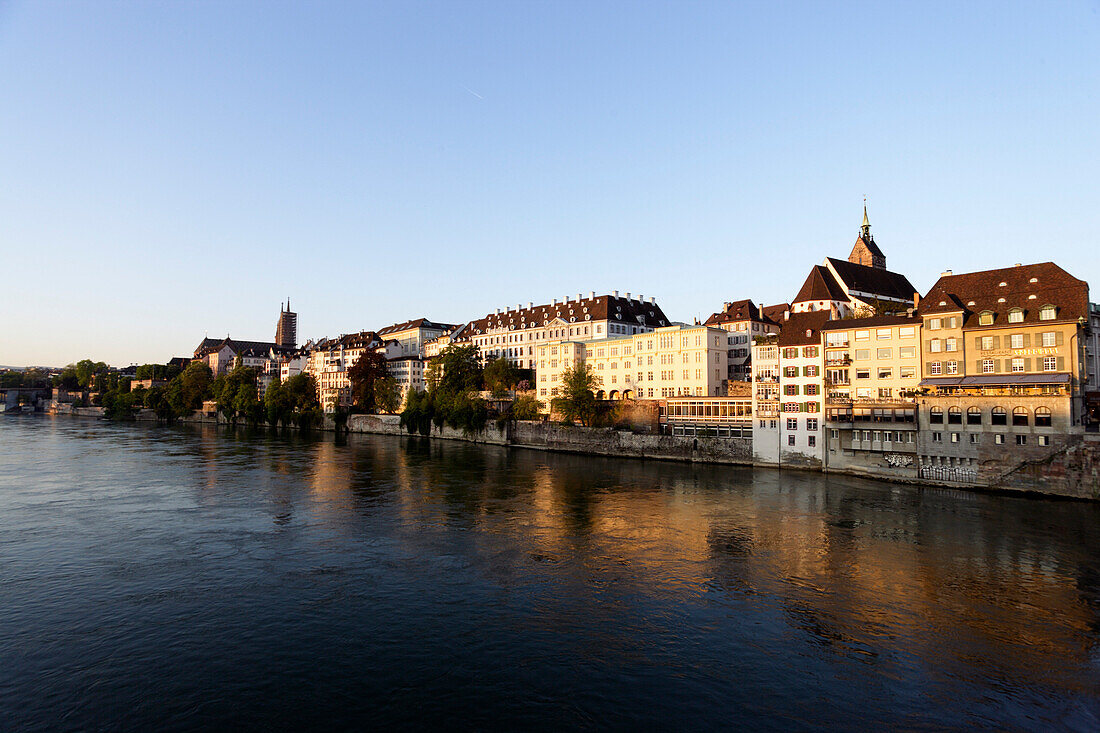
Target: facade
{"x": 744, "y": 320}
{"x": 1092, "y": 357}
{"x": 408, "y": 371}
{"x": 516, "y": 334}
{"x": 765, "y": 399}
{"x": 872, "y": 376}
{"x": 1004, "y": 366}
{"x": 286, "y": 330}
{"x": 412, "y": 336}
{"x": 802, "y": 390}
{"x": 713, "y": 417}
{"x": 673, "y": 361}
{"x": 433, "y": 347}
{"x": 328, "y": 364}
{"x": 221, "y": 355}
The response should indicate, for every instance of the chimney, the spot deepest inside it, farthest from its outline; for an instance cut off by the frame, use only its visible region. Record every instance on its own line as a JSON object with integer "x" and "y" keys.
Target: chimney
{"x": 498, "y": 311}
{"x": 530, "y": 305}
{"x": 1019, "y": 264}
{"x": 641, "y": 298}
{"x": 554, "y": 301}
{"x": 614, "y": 293}
{"x": 945, "y": 273}
{"x": 726, "y": 306}
{"x": 786, "y": 315}
{"x": 652, "y": 300}
{"x": 591, "y": 294}
{"x": 578, "y": 297}
{"x": 519, "y": 307}
{"x": 628, "y": 295}
{"x": 916, "y": 299}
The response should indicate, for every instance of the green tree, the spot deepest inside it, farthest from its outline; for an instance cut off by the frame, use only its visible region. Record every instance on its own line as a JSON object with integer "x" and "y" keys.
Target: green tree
{"x": 368, "y": 368}
{"x": 500, "y": 376}
{"x": 186, "y": 393}
{"x": 526, "y": 407}
{"x": 578, "y": 400}
{"x": 387, "y": 395}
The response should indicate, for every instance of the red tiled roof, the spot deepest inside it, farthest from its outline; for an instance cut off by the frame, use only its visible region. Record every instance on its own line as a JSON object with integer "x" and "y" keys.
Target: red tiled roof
{"x": 976, "y": 292}
{"x": 820, "y": 285}
{"x": 802, "y": 329}
{"x": 599, "y": 308}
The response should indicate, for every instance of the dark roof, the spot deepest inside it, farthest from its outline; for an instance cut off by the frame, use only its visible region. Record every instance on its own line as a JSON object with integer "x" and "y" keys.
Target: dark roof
{"x": 869, "y": 243}
{"x": 795, "y": 329}
{"x": 873, "y": 280}
{"x": 988, "y": 379}
{"x": 416, "y": 323}
{"x": 179, "y": 361}
{"x": 820, "y": 285}
{"x": 774, "y": 313}
{"x": 738, "y": 310}
{"x": 599, "y": 308}
{"x": 871, "y": 322}
{"x": 976, "y": 292}
{"x": 209, "y": 345}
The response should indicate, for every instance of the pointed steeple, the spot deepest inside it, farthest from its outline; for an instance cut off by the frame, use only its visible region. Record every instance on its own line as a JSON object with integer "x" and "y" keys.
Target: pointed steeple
{"x": 865, "y": 228}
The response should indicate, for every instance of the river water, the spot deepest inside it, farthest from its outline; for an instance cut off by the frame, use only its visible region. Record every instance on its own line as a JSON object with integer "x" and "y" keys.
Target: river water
{"x": 181, "y": 578}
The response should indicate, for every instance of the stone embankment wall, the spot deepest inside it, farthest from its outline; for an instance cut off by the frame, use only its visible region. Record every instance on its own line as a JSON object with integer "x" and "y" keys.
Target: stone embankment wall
{"x": 1072, "y": 471}
{"x": 611, "y": 442}
{"x": 391, "y": 425}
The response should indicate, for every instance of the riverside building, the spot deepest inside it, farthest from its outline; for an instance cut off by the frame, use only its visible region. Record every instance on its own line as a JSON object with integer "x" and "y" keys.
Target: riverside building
{"x": 672, "y": 361}
{"x": 744, "y": 320}
{"x": 1003, "y": 370}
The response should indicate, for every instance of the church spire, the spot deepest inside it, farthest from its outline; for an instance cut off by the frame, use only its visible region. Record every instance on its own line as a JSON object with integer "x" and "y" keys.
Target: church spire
{"x": 865, "y": 228}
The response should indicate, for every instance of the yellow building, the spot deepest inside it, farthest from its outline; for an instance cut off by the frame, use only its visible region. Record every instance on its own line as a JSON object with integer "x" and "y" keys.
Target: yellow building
{"x": 672, "y": 361}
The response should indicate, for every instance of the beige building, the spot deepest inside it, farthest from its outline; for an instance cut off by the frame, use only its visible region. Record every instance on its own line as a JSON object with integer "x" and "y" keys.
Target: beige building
{"x": 328, "y": 364}
{"x": 872, "y": 375}
{"x": 412, "y": 336}
{"x": 1003, "y": 370}
{"x": 672, "y": 361}
{"x": 744, "y": 321}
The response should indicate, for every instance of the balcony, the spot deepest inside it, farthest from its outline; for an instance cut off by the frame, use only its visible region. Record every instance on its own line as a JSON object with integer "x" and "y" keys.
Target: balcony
{"x": 846, "y": 361}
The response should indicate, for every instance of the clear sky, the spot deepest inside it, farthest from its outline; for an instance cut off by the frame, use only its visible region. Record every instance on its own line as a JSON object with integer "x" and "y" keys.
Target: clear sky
{"x": 171, "y": 169}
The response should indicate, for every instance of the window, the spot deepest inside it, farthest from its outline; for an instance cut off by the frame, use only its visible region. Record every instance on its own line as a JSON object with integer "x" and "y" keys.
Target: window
{"x": 810, "y": 352}
{"x": 834, "y": 434}
{"x": 935, "y": 346}
{"x": 1020, "y": 416}
{"x": 1016, "y": 341}
{"x": 935, "y": 416}
{"x": 811, "y": 423}
{"x": 1017, "y": 365}
{"x": 811, "y": 371}
{"x": 998, "y": 416}
{"x": 937, "y": 437}
{"x": 1015, "y": 316}
{"x": 952, "y": 367}
{"x": 987, "y": 343}
{"x": 790, "y": 440}
{"x": 1042, "y": 417}
{"x": 811, "y": 440}
{"x": 935, "y": 324}
{"x": 907, "y": 332}
{"x": 1047, "y": 313}
{"x": 954, "y": 416}
{"x": 951, "y": 344}
{"x": 935, "y": 368}
{"x": 907, "y": 352}
{"x": 1050, "y": 339}
{"x": 811, "y": 389}
{"x": 790, "y": 371}
{"x": 954, "y": 437}
{"x": 999, "y": 439}
{"x": 885, "y": 373}
{"x": 987, "y": 366}
{"x": 790, "y": 407}
{"x": 1021, "y": 440}
{"x": 863, "y": 335}
{"x": 1044, "y": 440}
{"x": 792, "y": 423}
{"x": 882, "y": 333}
{"x": 986, "y": 318}
{"x": 1050, "y": 363}
{"x": 975, "y": 438}
{"x": 884, "y": 353}
{"x": 790, "y": 353}
{"x": 974, "y": 416}
{"x": 863, "y": 373}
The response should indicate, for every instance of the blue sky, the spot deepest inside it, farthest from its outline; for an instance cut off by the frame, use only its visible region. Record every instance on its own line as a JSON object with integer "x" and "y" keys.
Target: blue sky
{"x": 172, "y": 169}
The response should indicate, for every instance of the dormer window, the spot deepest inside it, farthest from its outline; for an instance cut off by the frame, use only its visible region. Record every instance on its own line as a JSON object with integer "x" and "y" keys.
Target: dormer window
{"x": 1047, "y": 313}
{"x": 1016, "y": 315}
{"x": 970, "y": 303}
{"x": 1034, "y": 280}
{"x": 986, "y": 318}
{"x": 1002, "y": 285}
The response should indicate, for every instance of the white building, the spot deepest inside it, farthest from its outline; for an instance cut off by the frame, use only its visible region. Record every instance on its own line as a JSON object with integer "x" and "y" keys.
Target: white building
{"x": 516, "y": 333}
{"x": 802, "y": 390}
{"x": 744, "y": 320}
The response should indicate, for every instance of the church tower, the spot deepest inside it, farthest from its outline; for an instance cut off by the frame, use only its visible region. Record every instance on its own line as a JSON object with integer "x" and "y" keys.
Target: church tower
{"x": 866, "y": 252}
{"x": 286, "y": 330}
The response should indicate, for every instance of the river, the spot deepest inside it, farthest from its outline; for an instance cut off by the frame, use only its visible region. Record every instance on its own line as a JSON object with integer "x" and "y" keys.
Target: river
{"x": 182, "y": 578}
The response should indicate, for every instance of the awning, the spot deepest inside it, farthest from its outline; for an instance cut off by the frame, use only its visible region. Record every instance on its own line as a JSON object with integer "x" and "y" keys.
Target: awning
{"x": 995, "y": 380}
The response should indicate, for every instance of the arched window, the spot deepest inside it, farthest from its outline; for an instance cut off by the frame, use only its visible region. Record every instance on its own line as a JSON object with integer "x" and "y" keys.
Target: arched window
{"x": 1020, "y": 416}
{"x": 974, "y": 416}
{"x": 1042, "y": 417}
{"x": 954, "y": 416}
{"x": 1016, "y": 315}
{"x": 1047, "y": 313}
{"x": 935, "y": 416}
{"x": 998, "y": 416}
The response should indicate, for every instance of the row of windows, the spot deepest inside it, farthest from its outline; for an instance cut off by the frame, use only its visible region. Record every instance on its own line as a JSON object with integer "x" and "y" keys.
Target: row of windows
{"x": 807, "y": 371}
{"x": 998, "y": 438}
{"x": 807, "y": 389}
{"x": 808, "y": 352}
{"x": 1021, "y": 416}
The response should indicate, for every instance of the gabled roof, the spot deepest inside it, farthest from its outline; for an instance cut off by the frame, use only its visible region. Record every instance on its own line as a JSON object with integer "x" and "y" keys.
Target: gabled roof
{"x": 820, "y": 285}
{"x": 842, "y": 324}
{"x": 976, "y": 292}
{"x": 803, "y": 329}
{"x": 738, "y": 310}
{"x": 774, "y": 313}
{"x": 236, "y": 346}
{"x": 872, "y": 280}
{"x": 599, "y": 308}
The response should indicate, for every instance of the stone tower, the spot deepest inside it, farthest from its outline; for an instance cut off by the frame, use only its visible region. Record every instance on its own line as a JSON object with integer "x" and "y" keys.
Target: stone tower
{"x": 866, "y": 252}
{"x": 286, "y": 330}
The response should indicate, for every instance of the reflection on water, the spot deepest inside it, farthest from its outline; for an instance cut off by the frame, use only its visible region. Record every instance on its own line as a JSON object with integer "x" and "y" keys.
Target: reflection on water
{"x": 154, "y": 577}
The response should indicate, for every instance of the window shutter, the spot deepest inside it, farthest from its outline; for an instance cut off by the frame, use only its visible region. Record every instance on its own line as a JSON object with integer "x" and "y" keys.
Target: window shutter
{"x": 978, "y": 366}
{"x": 1061, "y": 361}
{"x": 996, "y": 342}
{"x": 1058, "y": 340}
{"x": 978, "y": 342}
{"x": 1027, "y": 364}
{"x": 1027, "y": 340}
